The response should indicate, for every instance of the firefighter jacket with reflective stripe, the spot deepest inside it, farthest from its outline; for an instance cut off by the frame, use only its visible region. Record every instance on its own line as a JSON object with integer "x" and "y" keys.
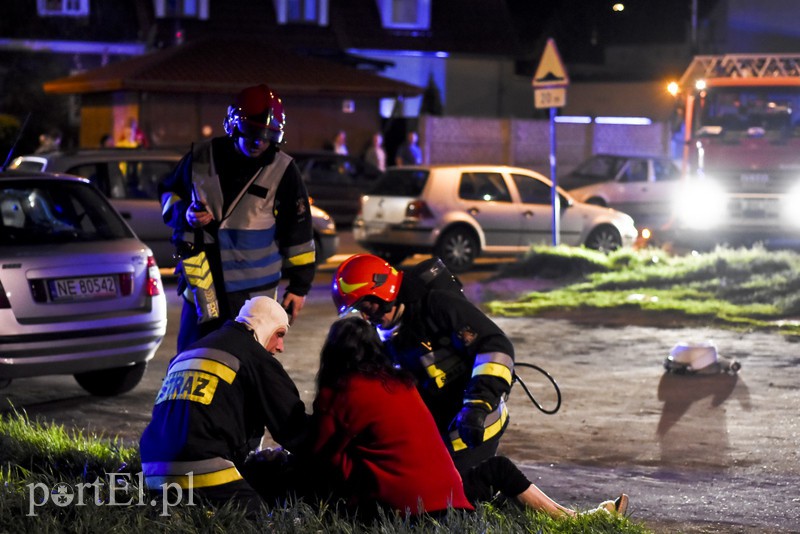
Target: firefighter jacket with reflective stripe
{"x": 262, "y": 221}
{"x": 214, "y": 403}
{"x": 458, "y": 355}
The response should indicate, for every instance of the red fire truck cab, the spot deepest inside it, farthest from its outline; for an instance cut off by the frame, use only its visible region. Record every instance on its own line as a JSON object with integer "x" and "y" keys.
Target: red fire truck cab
{"x": 741, "y": 151}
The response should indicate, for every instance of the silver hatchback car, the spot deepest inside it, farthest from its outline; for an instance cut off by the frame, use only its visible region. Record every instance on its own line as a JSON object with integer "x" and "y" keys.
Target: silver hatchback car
{"x": 80, "y": 294}
{"x": 460, "y": 212}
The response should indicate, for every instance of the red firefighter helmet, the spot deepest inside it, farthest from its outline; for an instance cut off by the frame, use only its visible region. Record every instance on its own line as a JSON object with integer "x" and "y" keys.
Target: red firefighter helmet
{"x": 361, "y": 276}
{"x": 256, "y": 112}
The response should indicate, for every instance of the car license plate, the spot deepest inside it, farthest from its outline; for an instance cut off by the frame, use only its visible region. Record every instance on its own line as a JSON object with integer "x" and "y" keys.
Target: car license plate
{"x": 375, "y": 229}
{"x": 90, "y": 287}
{"x": 758, "y": 208}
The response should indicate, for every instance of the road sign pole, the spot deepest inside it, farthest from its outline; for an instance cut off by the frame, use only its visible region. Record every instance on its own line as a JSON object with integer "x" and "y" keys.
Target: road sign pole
{"x": 555, "y": 201}
{"x": 550, "y": 91}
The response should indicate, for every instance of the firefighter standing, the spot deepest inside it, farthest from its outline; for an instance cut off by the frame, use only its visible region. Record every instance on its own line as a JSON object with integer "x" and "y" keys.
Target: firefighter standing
{"x": 461, "y": 359}
{"x": 242, "y": 201}
{"x": 213, "y": 406}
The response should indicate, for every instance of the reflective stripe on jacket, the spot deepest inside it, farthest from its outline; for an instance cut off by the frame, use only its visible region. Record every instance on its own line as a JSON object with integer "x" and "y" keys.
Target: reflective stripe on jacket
{"x": 190, "y": 475}
{"x": 444, "y": 366}
{"x": 195, "y": 374}
{"x": 493, "y": 425}
{"x": 246, "y": 235}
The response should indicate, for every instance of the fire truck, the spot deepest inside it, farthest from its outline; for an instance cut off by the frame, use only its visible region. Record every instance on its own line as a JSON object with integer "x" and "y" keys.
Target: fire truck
{"x": 740, "y": 121}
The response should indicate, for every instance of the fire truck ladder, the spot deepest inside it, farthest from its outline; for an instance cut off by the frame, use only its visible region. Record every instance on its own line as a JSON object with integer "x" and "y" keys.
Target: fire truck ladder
{"x": 742, "y": 66}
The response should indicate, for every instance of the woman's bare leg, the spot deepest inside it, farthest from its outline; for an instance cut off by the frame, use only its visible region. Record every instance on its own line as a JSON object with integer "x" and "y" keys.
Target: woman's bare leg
{"x": 535, "y": 498}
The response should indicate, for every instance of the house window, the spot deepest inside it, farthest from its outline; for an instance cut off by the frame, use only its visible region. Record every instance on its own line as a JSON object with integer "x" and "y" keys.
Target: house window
{"x": 186, "y": 9}
{"x": 302, "y": 12}
{"x": 405, "y": 14}
{"x": 63, "y": 8}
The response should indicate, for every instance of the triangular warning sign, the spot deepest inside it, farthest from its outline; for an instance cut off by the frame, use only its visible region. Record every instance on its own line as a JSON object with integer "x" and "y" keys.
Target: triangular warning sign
{"x": 551, "y": 71}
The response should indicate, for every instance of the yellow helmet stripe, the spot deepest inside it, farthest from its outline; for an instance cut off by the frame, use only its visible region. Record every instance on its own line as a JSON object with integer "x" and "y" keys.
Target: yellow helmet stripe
{"x": 349, "y": 288}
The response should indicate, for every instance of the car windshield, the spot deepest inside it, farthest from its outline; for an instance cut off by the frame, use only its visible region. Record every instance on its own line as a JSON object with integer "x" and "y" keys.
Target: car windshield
{"x": 751, "y": 111}
{"x": 401, "y": 183}
{"x": 42, "y": 212}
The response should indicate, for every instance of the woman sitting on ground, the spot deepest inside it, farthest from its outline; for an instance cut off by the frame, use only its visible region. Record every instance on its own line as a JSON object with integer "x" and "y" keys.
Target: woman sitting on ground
{"x": 381, "y": 446}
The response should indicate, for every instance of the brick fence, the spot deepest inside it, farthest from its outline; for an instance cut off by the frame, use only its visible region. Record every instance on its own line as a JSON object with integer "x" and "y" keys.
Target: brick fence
{"x": 526, "y": 143}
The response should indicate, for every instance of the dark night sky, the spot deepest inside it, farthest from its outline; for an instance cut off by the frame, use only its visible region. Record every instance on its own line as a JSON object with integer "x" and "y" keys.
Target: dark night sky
{"x": 582, "y": 27}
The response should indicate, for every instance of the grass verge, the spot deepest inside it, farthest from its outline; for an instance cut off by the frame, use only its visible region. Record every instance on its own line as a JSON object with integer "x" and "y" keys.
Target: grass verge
{"x": 53, "y": 481}
{"x": 741, "y": 289}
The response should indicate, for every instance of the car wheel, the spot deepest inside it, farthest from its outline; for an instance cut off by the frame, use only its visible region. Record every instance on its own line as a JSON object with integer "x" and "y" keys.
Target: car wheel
{"x": 604, "y": 238}
{"x": 110, "y": 382}
{"x": 458, "y": 249}
{"x": 597, "y": 201}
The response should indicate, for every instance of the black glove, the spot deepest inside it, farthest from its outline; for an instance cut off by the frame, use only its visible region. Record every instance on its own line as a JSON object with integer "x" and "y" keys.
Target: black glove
{"x": 469, "y": 423}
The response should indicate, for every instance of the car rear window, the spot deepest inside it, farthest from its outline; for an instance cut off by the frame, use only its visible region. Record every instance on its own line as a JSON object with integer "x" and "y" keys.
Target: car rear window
{"x": 485, "y": 186}
{"x": 41, "y": 212}
{"x": 401, "y": 183}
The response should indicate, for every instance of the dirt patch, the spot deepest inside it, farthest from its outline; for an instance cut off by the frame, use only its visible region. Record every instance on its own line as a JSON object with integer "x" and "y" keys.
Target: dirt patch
{"x": 711, "y": 453}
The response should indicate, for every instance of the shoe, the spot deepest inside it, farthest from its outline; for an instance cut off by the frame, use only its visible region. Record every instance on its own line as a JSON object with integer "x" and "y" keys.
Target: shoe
{"x": 617, "y": 506}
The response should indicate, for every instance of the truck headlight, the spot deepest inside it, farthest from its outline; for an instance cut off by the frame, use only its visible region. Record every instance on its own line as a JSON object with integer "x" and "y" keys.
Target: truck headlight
{"x": 700, "y": 204}
{"x": 791, "y": 206}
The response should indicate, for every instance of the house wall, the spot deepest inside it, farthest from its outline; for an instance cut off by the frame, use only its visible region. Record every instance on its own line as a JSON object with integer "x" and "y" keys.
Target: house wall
{"x": 312, "y": 122}
{"x": 97, "y": 119}
{"x": 526, "y": 143}
{"x": 172, "y": 120}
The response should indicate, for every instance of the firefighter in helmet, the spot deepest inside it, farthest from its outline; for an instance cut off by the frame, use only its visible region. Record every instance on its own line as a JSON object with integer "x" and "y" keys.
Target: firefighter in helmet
{"x": 240, "y": 200}
{"x": 463, "y": 362}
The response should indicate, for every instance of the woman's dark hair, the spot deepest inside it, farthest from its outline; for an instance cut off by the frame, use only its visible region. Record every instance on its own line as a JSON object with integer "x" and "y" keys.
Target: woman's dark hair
{"x": 353, "y": 346}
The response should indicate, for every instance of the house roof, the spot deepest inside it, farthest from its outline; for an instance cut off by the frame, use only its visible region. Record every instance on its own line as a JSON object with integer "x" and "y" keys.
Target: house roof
{"x": 225, "y": 66}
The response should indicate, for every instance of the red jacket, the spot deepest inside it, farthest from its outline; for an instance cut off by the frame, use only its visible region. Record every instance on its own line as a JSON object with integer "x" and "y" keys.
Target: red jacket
{"x": 382, "y": 444}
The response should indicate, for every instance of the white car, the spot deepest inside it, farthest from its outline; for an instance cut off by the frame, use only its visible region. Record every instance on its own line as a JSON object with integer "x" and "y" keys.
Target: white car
{"x": 460, "y": 212}
{"x": 644, "y": 187}
{"x": 80, "y": 294}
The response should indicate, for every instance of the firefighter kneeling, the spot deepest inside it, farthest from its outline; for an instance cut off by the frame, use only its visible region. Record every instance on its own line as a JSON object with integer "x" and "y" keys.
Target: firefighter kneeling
{"x": 215, "y": 401}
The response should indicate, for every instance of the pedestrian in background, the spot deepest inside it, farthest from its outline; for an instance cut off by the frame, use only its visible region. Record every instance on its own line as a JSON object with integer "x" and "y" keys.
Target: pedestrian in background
{"x": 375, "y": 154}
{"x": 49, "y": 141}
{"x": 340, "y": 143}
{"x": 106, "y": 141}
{"x": 409, "y": 152}
{"x": 241, "y": 200}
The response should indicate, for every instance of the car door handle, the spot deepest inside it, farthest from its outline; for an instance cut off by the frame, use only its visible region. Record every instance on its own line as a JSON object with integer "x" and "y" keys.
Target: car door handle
{"x": 528, "y": 213}
{"x": 126, "y": 215}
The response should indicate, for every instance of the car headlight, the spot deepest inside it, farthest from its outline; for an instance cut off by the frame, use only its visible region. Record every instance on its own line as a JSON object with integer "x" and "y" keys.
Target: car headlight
{"x": 700, "y": 204}
{"x": 791, "y": 213}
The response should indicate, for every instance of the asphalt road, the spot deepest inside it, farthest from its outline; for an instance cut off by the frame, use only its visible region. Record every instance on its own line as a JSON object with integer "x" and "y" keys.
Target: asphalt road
{"x": 708, "y": 454}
